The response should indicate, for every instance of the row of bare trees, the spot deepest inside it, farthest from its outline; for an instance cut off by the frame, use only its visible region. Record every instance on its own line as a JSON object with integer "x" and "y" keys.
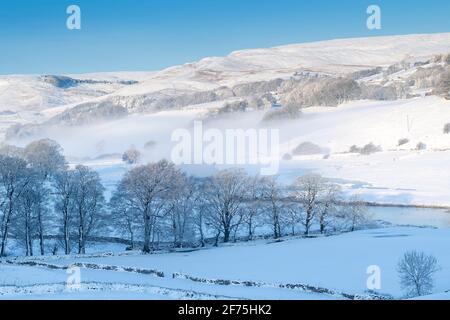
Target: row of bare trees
{"x": 42, "y": 197}
{"x": 158, "y": 201}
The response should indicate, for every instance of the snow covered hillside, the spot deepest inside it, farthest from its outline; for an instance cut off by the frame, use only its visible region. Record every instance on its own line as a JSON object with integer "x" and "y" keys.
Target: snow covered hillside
{"x": 390, "y": 96}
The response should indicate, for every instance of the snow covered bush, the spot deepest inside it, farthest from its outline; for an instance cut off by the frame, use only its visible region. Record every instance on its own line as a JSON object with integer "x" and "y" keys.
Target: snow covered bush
{"x": 370, "y": 148}
{"x": 421, "y": 146}
{"x": 131, "y": 156}
{"x": 287, "y": 157}
{"x": 286, "y": 113}
{"x": 354, "y": 149}
{"x": 366, "y": 150}
{"x": 416, "y": 271}
{"x": 447, "y": 128}
{"x": 306, "y": 148}
{"x": 403, "y": 141}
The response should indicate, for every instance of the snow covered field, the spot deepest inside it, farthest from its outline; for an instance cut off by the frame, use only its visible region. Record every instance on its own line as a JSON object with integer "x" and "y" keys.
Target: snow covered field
{"x": 337, "y": 263}
{"x": 322, "y": 267}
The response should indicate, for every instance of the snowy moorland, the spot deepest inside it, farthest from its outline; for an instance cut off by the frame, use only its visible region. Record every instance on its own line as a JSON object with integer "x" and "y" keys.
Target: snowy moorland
{"x": 364, "y": 123}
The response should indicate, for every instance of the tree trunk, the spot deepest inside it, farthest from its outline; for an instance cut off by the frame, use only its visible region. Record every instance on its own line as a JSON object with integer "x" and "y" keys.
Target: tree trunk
{"x": 216, "y": 242}
{"x": 81, "y": 249}
{"x": 146, "y": 248}
{"x": 66, "y": 233}
{"x": 5, "y": 228}
{"x": 28, "y": 242}
{"x": 322, "y": 224}
{"x": 226, "y": 234}
{"x": 41, "y": 232}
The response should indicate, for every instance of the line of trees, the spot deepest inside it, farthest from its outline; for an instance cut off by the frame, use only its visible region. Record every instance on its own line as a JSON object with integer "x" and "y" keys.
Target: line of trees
{"x": 159, "y": 201}
{"x": 42, "y": 197}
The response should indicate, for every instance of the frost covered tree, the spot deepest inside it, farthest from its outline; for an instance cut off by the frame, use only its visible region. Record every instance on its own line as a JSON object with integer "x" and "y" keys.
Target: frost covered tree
{"x": 131, "y": 156}
{"x": 31, "y": 205}
{"x": 88, "y": 202}
{"x": 292, "y": 216}
{"x": 125, "y": 217}
{"x": 201, "y": 208}
{"x": 181, "y": 212}
{"x": 64, "y": 188}
{"x": 32, "y": 211}
{"x": 14, "y": 178}
{"x": 416, "y": 271}
{"x": 328, "y": 205}
{"x": 355, "y": 212}
{"x": 307, "y": 191}
{"x": 254, "y": 207}
{"x": 225, "y": 193}
{"x": 147, "y": 189}
{"x": 271, "y": 193}
{"x": 45, "y": 157}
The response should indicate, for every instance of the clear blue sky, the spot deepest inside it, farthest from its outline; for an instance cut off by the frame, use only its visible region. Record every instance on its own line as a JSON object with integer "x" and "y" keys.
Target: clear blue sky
{"x": 121, "y": 35}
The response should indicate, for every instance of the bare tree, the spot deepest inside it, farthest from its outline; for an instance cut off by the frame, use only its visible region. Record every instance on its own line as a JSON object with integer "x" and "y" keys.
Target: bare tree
{"x": 307, "y": 190}
{"x": 64, "y": 188}
{"x": 32, "y": 203}
{"x": 14, "y": 177}
{"x": 328, "y": 206}
{"x": 125, "y": 217}
{"x": 225, "y": 193}
{"x": 147, "y": 188}
{"x": 200, "y": 207}
{"x": 88, "y": 203}
{"x": 181, "y": 213}
{"x": 416, "y": 271}
{"x": 292, "y": 216}
{"x": 271, "y": 194}
{"x": 45, "y": 158}
{"x": 355, "y": 212}
{"x": 254, "y": 206}
{"x": 131, "y": 156}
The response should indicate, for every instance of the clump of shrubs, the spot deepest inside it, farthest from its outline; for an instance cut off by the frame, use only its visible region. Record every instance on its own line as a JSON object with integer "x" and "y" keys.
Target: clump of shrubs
{"x": 287, "y": 157}
{"x": 447, "y": 128}
{"x": 307, "y": 148}
{"x": 289, "y": 112}
{"x": 403, "y": 141}
{"x": 131, "y": 156}
{"x": 366, "y": 150}
{"x": 421, "y": 146}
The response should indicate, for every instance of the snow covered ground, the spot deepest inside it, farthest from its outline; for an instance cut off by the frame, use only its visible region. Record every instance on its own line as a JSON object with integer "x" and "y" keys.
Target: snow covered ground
{"x": 337, "y": 263}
